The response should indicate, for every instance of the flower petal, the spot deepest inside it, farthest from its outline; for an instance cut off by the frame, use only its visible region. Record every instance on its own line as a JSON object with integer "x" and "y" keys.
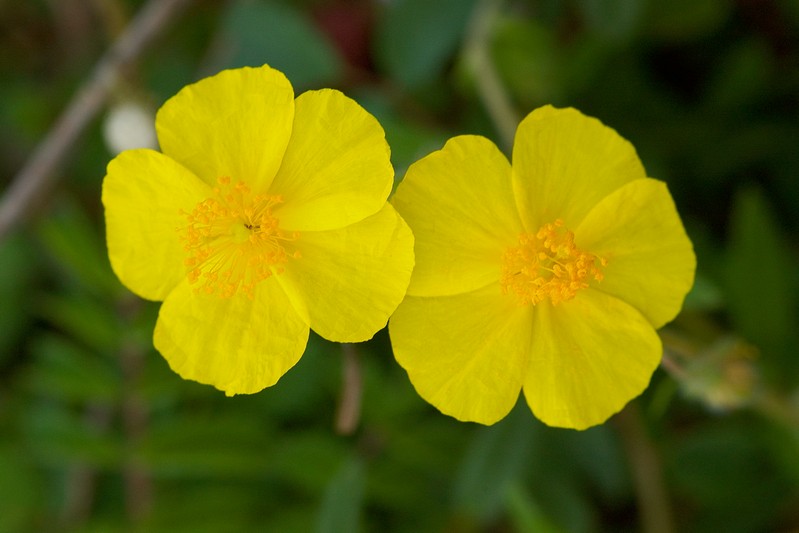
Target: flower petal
{"x": 239, "y": 345}
{"x": 590, "y": 356}
{"x": 348, "y": 281}
{"x": 466, "y": 354}
{"x": 651, "y": 261}
{"x": 236, "y": 124}
{"x": 337, "y": 168}
{"x": 143, "y": 194}
{"x": 564, "y": 163}
{"x": 459, "y": 203}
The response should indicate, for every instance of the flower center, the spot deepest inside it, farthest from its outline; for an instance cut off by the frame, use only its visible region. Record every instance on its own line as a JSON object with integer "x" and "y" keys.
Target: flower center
{"x": 548, "y": 265}
{"x": 233, "y": 241}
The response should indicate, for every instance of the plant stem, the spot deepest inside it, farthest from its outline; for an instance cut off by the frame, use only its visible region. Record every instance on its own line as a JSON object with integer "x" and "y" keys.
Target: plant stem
{"x": 489, "y": 85}
{"x": 39, "y": 172}
{"x": 349, "y": 412}
{"x": 646, "y": 470}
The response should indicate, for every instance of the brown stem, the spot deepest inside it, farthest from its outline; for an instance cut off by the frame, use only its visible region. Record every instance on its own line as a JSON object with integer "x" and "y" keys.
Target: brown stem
{"x": 39, "y": 173}
{"x": 646, "y": 470}
{"x": 349, "y": 412}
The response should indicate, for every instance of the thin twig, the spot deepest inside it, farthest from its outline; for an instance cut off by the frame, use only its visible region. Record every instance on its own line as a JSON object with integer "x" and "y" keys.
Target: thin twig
{"x": 489, "y": 85}
{"x": 671, "y": 366}
{"x": 349, "y": 411}
{"x": 646, "y": 470}
{"x": 39, "y": 173}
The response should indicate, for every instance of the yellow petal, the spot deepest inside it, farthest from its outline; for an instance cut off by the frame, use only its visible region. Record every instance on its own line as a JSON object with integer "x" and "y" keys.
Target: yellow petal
{"x": 465, "y": 354}
{"x": 235, "y": 124}
{"x": 564, "y": 163}
{"x": 143, "y": 194}
{"x": 347, "y": 282}
{"x": 590, "y": 356}
{"x": 651, "y": 261}
{"x": 239, "y": 345}
{"x": 336, "y": 169}
{"x": 459, "y": 203}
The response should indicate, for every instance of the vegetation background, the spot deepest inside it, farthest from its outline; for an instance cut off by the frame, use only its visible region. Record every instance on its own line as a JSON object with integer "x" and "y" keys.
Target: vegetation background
{"x": 98, "y": 435}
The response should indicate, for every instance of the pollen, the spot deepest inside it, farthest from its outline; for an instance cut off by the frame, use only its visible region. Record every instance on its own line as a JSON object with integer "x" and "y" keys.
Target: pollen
{"x": 548, "y": 265}
{"x": 233, "y": 241}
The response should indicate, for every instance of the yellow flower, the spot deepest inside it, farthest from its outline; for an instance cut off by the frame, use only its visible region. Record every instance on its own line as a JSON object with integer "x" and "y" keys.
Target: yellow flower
{"x": 263, "y": 216}
{"x": 548, "y": 276}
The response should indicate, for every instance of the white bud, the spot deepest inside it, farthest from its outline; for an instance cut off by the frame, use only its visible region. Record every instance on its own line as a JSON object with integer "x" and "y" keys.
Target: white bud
{"x": 129, "y": 125}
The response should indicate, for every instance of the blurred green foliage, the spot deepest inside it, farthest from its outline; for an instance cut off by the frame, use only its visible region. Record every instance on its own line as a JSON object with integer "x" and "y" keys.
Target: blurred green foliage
{"x": 97, "y": 433}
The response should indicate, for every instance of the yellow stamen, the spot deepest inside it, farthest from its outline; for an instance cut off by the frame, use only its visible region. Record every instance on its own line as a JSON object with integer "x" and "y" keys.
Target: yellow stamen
{"x": 548, "y": 265}
{"x": 233, "y": 240}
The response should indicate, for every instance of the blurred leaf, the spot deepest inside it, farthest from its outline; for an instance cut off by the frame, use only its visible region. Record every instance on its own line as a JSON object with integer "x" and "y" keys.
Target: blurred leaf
{"x": 343, "y": 499}
{"x": 65, "y": 371}
{"x": 75, "y": 242}
{"x": 494, "y": 462}
{"x": 614, "y": 20}
{"x": 19, "y": 490}
{"x": 256, "y": 32}
{"x": 712, "y": 463}
{"x": 84, "y": 319}
{"x": 27, "y": 111}
{"x": 683, "y": 20}
{"x": 599, "y": 459}
{"x": 59, "y": 436}
{"x": 409, "y": 140}
{"x": 526, "y": 514}
{"x": 705, "y": 295}
{"x": 206, "y": 508}
{"x": 758, "y": 280}
{"x": 415, "y": 38}
{"x": 17, "y": 270}
{"x": 306, "y": 386}
{"x": 581, "y": 63}
{"x": 741, "y": 77}
{"x": 527, "y": 58}
{"x": 307, "y": 459}
{"x": 227, "y": 445}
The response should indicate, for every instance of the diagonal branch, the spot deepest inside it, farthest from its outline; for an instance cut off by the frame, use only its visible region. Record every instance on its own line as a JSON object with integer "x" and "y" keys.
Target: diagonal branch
{"x": 39, "y": 172}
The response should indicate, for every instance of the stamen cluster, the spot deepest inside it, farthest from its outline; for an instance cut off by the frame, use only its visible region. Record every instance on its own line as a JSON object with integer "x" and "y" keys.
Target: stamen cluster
{"x": 548, "y": 265}
{"x": 233, "y": 240}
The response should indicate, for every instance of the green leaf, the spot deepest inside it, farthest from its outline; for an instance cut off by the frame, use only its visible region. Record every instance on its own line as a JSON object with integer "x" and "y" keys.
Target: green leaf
{"x": 494, "y": 462}
{"x": 712, "y": 463}
{"x": 525, "y": 513}
{"x": 206, "y": 508}
{"x": 59, "y": 436}
{"x": 343, "y": 499}
{"x": 227, "y": 445}
{"x": 256, "y": 32}
{"x": 20, "y": 490}
{"x": 613, "y": 20}
{"x": 759, "y": 286}
{"x": 705, "y": 295}
{"x": 84, "y": 319}
{"x": 74, "y": 241}
{"x": 16, "y": 277}
{"x": 415, "y": 38}
{"x": 63, "y": 370}
{"x": 684, "y": 20}
{"x": 528, "y": 61}
{"x": 307, "y": 459}
{"x": 409, "y": 140}
{"x": 743, "y": 75}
